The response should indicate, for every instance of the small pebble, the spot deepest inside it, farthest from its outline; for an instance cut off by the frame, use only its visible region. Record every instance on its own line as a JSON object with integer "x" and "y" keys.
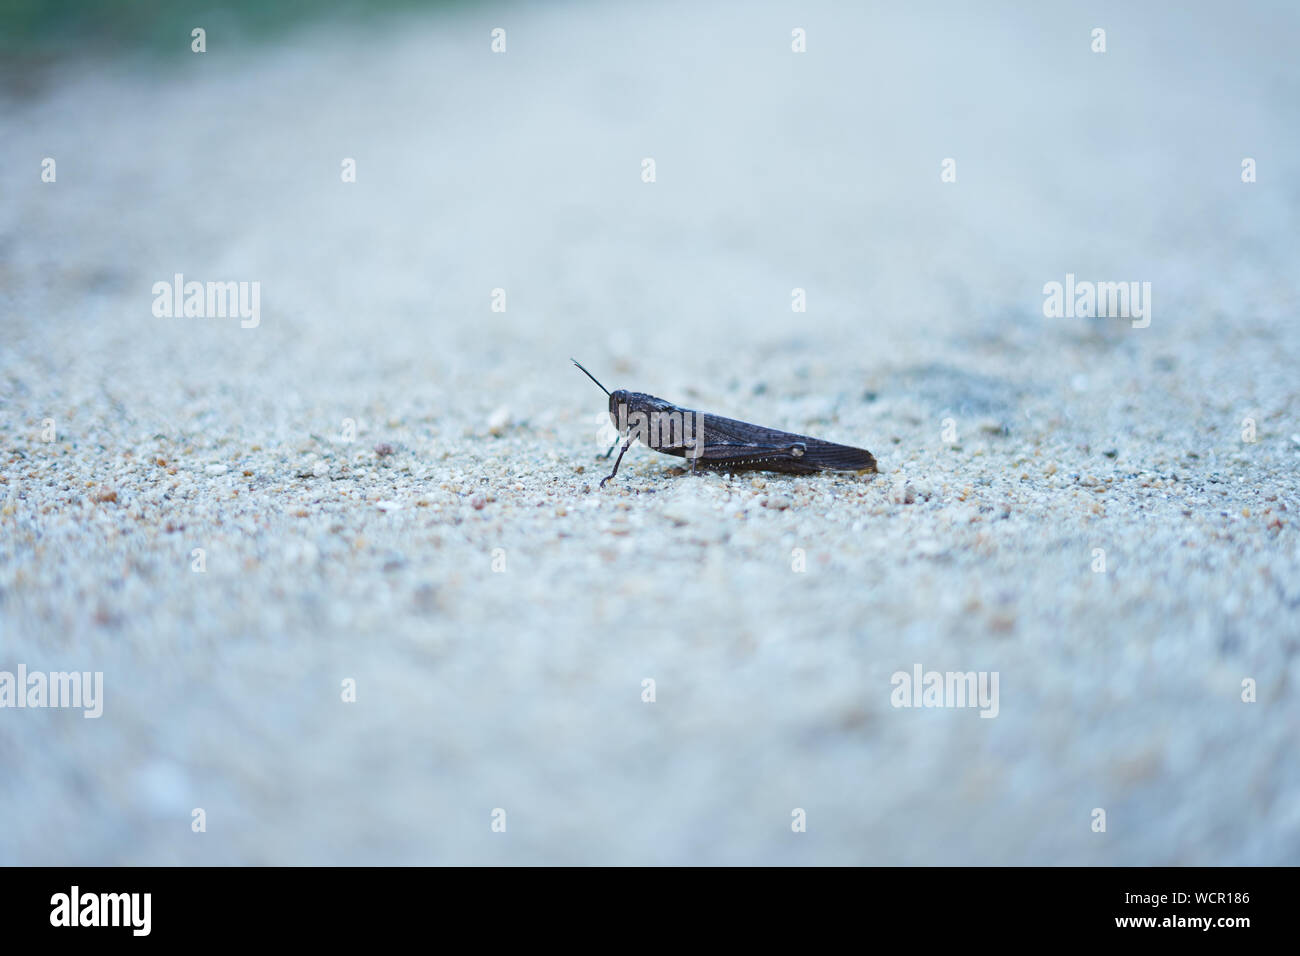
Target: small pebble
{"x": 498, "y": 420}
{"x": 902, "y": 492}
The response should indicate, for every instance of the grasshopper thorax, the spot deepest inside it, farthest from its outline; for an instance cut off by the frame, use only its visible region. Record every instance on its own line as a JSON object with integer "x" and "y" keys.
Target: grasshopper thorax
{"x": 648, "y": 417}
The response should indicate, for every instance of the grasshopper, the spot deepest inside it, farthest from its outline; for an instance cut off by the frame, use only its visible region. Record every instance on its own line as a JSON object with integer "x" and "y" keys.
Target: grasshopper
{"x": 710, "y": 441}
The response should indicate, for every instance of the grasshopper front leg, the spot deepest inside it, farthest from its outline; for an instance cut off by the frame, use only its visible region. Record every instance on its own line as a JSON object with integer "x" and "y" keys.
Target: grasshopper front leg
{"x": 626, "y": 445}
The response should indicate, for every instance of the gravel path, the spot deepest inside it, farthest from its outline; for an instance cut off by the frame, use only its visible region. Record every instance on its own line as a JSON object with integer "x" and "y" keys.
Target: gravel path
{"x": 393, "y": 484}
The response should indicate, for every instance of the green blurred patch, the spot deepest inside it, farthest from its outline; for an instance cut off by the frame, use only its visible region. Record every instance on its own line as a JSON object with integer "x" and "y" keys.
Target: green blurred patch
{"x": 42, "y": 29}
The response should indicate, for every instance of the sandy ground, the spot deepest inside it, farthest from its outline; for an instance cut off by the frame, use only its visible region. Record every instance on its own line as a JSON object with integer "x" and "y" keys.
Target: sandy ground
{"x": 1016, "y": 451}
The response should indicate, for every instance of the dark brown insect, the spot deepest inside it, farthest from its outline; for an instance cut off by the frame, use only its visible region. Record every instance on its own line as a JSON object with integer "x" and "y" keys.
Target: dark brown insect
{"x": 710, "y": 441}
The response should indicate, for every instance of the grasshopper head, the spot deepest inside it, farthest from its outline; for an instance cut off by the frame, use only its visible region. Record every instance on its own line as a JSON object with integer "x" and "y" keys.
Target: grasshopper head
{"x": 616, "y": 398}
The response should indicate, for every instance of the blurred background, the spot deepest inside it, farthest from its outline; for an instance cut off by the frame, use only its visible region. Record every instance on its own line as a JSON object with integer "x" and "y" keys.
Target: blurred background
{"x": 368, "y": 554}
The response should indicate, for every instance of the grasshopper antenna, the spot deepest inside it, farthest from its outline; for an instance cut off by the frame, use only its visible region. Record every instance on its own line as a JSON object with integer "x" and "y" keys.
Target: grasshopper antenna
{"x": 589, "y": 375}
